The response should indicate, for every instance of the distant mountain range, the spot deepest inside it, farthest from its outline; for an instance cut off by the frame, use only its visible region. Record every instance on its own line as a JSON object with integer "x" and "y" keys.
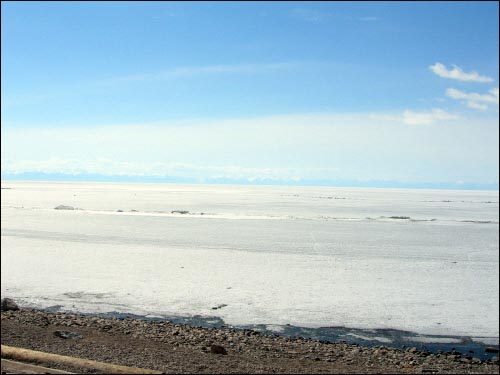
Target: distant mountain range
{"x": 37, "y": 176}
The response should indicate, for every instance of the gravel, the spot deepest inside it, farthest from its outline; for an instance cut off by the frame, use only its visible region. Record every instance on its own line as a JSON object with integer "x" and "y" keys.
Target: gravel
{"x": 176, "y": 348}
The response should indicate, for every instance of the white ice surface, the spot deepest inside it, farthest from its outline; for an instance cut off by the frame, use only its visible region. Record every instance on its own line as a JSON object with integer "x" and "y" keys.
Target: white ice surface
{"x": 434, "y": 277}
{"x": 425, "y": 340}
{"x": 486, "y": 340}
{"x": 380, "y": 339}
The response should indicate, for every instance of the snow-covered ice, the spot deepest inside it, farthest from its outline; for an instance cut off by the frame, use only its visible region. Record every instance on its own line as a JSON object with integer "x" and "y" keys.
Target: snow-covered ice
{"x": 418, "y": 260}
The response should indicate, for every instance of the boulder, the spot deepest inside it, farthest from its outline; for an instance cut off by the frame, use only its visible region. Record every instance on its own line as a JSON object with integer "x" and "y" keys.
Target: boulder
{"x": 9, "y": 304}
{"x": 217, "y": 349}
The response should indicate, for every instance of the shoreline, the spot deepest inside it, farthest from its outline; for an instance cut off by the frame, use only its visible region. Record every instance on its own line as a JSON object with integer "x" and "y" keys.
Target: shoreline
{"x": 187, "y": 348}
{"x": 366, "y": 337}
{"x": 395, "y": 338}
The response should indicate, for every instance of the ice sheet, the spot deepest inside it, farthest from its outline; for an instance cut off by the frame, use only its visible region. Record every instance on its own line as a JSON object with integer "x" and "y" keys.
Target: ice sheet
{"x": 431, "y": 277}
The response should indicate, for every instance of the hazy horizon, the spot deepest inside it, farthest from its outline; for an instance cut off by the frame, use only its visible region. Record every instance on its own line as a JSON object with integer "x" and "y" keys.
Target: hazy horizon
{"x": 56, "y": 178}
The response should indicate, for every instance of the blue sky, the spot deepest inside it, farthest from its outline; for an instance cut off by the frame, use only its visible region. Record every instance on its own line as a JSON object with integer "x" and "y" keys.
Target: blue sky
{"x": 368, "y": 93}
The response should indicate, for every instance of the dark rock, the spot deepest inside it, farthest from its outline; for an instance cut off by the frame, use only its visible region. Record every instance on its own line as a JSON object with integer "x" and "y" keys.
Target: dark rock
{"x": 182, "y": 212}
{"x": 491, "y": 349}
{"x": 44, "y": 321}
{"x": 217, "y": 349}
{"x": 9, "y": 304}
{"x": 219, "y": 306}
{"x": 68, "y": 335}
{"x": 63, "y": 207}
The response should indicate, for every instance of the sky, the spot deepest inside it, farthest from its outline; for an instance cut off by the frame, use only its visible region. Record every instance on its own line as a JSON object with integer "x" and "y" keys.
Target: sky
{"x": 392, "y": 94}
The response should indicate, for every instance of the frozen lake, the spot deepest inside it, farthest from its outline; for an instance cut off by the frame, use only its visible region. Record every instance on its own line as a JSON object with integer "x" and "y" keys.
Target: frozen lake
{"x": 425, "y": 261}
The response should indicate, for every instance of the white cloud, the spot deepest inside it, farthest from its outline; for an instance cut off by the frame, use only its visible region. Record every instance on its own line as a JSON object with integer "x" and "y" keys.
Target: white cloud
{"x": 425, "y": 118}
{"x": 458, "y": 74}
{"x": 494, "y": 92}
{"x": 476, "y": 105}
{"x": 473, "y": 99}
{"x": 419, "y": 118}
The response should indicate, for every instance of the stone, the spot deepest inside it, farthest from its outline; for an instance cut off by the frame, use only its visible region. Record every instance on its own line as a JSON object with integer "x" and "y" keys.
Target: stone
{"x": 68, "y": 335}
{"x": 491, "y": 349}
{"x": 219, "y": 306}
{"x": 8, "y": 304}
{"x": 217, "y": 349}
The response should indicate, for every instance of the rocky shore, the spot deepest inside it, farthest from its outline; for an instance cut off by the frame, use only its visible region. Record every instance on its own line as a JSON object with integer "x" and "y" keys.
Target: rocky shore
{"x": 175, "y": 348}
